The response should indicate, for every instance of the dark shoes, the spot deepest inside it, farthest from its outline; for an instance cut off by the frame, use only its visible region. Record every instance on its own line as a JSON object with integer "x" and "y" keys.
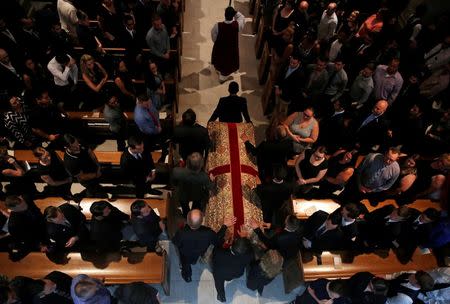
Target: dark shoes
{"x": 221, "y": 298}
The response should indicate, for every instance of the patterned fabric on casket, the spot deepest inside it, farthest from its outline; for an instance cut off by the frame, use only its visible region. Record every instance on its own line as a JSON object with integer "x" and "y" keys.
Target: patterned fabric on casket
{"x": 235, "y": 173}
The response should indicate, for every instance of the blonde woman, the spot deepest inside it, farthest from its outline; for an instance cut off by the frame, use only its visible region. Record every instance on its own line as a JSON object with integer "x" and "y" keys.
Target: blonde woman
{"x": 95, "y": 77}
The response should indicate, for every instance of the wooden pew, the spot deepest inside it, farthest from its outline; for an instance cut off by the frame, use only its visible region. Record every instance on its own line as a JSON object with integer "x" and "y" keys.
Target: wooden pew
{"x": 332, "y": 266}
{"x": 152, "y": 269}
{"x": 104, "y": 157}
{"x": 264, "y": 64}
{"x": 304, "y": 208}
{"x": 123, "y": 204}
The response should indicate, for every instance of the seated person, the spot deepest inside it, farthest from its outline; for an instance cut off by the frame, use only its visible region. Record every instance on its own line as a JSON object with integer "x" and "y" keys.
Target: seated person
{"x": 147, "y": 225}
{"x": 406, "y": 287}
{"x": 25, "y": 226}
{"x": 287, "y": 242}
{"x": 66, "y": 227}
{"x": 349, "y": 225}
{"x": 310, "y": 166}
{"x": 192, "y": 184}
{"x": 46, "y": 120}
{"x": 431, "y": 177}
{"x": 302, "y": 128}
{"x": 190, "y": 136}
{"x": 383, "y": 226}
{"x": 83, "y": 166}
{"x": 106, "y": 226}
{"x": 322, "y": 291}
{"x": 322, "y": 231}
{"x": 53, "y": 288}
{"x": 95, "y": 77}
{"x": 264, "y": 270}
{"x": 51, "y": 170}
{"x": 366, "y": 288}
{"x": 341, "y": 166}
{"x": 87, "y": 290}
{"x": 17, "y": 123}
{"x": 137, "y": 165}
{"x": 154, "y": 83}
{"x": 114, "y": 115}
{"x": 125, "y": 86}
{"x": 15, "y": 173}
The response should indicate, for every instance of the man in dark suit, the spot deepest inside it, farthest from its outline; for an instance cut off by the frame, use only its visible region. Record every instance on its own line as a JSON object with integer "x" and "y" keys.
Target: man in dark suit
{"x": 25, "y": 225}
{"x": 137, "y": 165}
{"x": 192, "y": 184}
{"x": 417, "y": 231}
{"x": 10, "y": 42}
{"x": 287, "y": 241}
{"x": 383, "y": 226}
{"x": 290, "y": 85}
{"x": 194, "y": 239}
{"x": 274, "y": 194}
{"x": 66, "y": 227}
{"x": 332, "y": 129}
{"x": 232, "y": 107}
{"x": 367, "y": 288}
{"x": 12, "y": 83}
{"x": 349, "y": 225}
{"x": 128, "y": 39}
{"x": 142, "y": 12}
{"x": 322, "y": 231}
{"x": 373, "y": 128}
{"x": 230, "y": 263}
{"x": 190, "y": 136}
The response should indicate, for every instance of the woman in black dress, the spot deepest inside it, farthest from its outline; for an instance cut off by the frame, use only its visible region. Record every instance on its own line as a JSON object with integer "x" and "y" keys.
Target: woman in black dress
{"x": 310, "y": 166}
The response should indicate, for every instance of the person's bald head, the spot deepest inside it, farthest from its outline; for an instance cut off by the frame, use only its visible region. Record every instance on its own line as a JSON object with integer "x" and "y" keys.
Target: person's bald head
{"x": 331, "y": 8}
{"x": 4, "y": 58}
{"x": 303, "y": 6}
{"x": 380, "y": 107}
{"x": 195, "y": 219}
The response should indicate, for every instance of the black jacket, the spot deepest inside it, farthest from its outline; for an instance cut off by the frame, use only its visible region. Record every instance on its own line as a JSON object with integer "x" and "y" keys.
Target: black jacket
{"x": 147, "y": 229}
{"x": 60, "y": 234}
{"x": 228, "y": 266}
{"x": 194, "y": 243}
{"x": 373, "y": 133}
{"x": 329, "y": 240}
{"x": 136, "y": 169}
{"x": 106, "y": 233}
{"x": 287, "y": 243}
{"x": 292, "y": 86}
{"x": 231, "y": 109}
{"x": 191, "y": 139}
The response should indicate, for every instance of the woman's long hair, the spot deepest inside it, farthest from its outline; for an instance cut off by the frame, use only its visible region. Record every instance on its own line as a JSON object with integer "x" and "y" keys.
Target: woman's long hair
{"x": 271, "y": 263}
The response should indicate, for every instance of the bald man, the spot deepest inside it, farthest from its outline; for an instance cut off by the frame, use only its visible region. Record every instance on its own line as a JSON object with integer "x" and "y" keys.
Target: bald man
{"x": 303, "y": 17}
{"x": 194, "y": 239}
{"x": 373, "y": 128}
{"x": 328, "y": 23}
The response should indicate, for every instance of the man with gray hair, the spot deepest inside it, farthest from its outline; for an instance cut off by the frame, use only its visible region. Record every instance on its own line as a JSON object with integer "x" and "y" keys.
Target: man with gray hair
{"x": 194, "y": 239}
{"x": 192, "y": 183}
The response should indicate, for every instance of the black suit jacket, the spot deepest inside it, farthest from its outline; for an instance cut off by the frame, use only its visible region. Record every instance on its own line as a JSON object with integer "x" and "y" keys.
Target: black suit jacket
{"x": 136, "y": 169}
{"x": 332, "y": 130}
{"x": 60, "y": 234}
{"x": 373, "y": 133}
{"x": 329, "y": 240}
{"x": 191, "y": 139}
{"x": 231, "y": 109}
{"x": 194, "y": 243}
{"x": 130, "y": 43}
{"x": 292, "y": 86}
{"x": 228, "y": 266}
{"x": 379, "y": 231}
{"x": 271, "y": 152}
{"x": 287, "y": 243}
{"x": 106, "y": 233}
{"x": 11, "y": 83}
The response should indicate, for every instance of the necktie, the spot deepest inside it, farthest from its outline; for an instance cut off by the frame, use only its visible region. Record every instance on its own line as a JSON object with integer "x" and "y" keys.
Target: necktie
{"x": 154, "y": 119}
{"x": 320, "y": 231}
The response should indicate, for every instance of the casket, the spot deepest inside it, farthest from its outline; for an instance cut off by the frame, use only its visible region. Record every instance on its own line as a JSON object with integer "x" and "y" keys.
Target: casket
{"x": 236, "y": 176}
